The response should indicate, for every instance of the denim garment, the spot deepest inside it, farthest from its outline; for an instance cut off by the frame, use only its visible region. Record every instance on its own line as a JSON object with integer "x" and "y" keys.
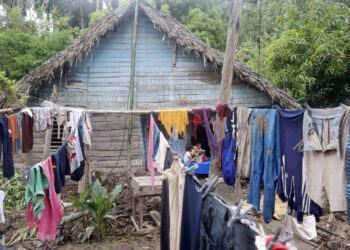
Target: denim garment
{"x": 266, "y": 160}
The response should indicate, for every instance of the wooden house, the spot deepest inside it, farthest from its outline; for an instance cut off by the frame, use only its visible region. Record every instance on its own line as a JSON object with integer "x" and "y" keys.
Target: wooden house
{"x": 173, "y": 69}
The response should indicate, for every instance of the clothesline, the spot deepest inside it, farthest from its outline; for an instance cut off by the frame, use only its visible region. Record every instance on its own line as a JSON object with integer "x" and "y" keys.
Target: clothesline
{"x": 95, "y": 111}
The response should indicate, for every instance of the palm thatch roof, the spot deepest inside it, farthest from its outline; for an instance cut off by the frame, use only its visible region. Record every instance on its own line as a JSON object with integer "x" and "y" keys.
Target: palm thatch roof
{"x": 164, "y": 23}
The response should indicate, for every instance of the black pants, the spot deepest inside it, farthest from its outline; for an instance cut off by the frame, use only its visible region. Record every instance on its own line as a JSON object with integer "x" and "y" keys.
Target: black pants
{"x": 191, "y": 215}
{"x": 165, "y": 218}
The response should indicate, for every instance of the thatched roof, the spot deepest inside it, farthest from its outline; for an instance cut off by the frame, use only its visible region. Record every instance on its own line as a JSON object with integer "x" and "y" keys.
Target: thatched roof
{"x": 165, "y": 24}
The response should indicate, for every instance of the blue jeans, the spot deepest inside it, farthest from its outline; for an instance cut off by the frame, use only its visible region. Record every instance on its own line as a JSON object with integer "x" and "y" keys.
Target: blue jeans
{"x": 266, "y": 160}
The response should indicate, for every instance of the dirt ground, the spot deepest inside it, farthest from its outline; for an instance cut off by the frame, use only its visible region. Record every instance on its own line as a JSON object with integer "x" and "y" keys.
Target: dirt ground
{"x": 333, "y": 235}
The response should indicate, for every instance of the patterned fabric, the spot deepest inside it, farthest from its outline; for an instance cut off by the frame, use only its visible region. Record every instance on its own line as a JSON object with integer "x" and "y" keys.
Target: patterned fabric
{"x": 43, "y": 119}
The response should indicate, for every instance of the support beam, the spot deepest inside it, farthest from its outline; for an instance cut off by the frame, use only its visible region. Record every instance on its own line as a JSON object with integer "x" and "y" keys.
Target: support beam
{"x": 132, "y": 79}
{"x": 227, "y": 74}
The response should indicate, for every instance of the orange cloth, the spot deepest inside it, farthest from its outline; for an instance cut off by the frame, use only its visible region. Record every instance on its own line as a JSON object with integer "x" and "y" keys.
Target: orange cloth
{"x": 12, "y": 125}
{"x": 178, "y": 119}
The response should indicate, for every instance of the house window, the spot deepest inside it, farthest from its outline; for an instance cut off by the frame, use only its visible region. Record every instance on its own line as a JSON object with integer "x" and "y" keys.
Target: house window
{"x": 55, "y": 141}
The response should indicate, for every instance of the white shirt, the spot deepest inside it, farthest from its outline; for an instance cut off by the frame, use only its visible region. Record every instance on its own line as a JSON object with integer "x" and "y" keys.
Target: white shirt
{"x": 187, "y": 157}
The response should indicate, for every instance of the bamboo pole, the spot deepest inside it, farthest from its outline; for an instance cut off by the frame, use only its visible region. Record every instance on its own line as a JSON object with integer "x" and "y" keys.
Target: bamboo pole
{"x": 227, "y": 74}
{"x": 132, "y": 80}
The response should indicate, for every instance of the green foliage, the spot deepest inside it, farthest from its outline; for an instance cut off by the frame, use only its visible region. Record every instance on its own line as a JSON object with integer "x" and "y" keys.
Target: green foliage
{"x": 14, "y": 192}
{"x": 207, "y": 26}
{"x": 23, "y": 47}
{"x": 98, "y": 203}
{"x": 207, "y": 19}
{"x": 311, "y": 59}
{"x": 94, "y": 16}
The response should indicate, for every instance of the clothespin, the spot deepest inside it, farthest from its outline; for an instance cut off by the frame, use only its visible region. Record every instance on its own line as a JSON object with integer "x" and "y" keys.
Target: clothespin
{"x": 211, "y": 184}
{"x": 189, "y": 170}
{"x": 274, "y": 239}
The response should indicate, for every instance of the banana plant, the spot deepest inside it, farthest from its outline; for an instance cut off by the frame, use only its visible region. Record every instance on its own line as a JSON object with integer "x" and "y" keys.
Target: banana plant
{"x": 98, "y": 203}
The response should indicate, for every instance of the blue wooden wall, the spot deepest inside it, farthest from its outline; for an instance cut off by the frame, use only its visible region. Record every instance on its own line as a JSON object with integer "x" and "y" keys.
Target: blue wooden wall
{"x": 105, "y": 73}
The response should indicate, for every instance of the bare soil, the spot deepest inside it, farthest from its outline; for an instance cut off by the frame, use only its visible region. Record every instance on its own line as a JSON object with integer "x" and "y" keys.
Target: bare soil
{"x": 334, "y": 232}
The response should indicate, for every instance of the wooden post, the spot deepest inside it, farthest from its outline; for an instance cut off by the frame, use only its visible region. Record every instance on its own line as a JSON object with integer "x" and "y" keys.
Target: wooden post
{"x": 227, "y": 74}
{"x": 48, "y": 132}
{"x": 132, "y": 80}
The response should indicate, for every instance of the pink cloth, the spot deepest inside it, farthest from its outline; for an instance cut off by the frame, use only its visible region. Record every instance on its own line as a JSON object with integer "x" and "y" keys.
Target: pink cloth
{"x": 150, "y": 163}
{"x": 52, "y": 213}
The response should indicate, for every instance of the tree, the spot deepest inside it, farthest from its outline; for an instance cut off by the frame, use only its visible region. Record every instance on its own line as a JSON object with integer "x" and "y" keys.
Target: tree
{"x": 311, "y": 59}
{"x": 24, "y": 45}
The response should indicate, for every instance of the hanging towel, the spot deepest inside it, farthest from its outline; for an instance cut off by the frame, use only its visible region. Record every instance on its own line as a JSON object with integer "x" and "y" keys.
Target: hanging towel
{"x": 178, "y": 119}
{"x": 52, "y": 213}
{"x": 18, "y": 142}
{"x": 13, "y": 130}
{"x": 35, "y": 190}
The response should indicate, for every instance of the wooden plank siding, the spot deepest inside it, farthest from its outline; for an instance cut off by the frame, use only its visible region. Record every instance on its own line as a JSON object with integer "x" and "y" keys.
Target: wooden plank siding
{"x": 159, "y": 84}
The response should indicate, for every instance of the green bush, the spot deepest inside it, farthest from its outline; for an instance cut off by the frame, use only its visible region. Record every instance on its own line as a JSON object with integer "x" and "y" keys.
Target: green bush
{"x": 97, "y": 202}
{"x": 14, "y": 192}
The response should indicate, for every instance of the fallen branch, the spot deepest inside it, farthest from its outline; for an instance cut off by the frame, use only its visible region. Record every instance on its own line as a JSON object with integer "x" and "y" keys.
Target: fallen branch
{"x": 72, "y": 217}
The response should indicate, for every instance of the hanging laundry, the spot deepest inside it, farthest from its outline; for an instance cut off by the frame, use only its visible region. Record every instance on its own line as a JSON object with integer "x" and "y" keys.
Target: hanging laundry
{"x": 198, "y": 119}
{"x": 62, "y": 168}
{"x": 79, "y": 160}
{"x": 266, "y": 161}
{"x": 8, "y": 169}
{"x": 191, "y": 215}
{"x": 43, "y": 119}
{"x": 244, "y": 142}
{"x": 61, "y": 119}
{"x": 13, "y": 130}
{"x": 305, "y": 230}
{"x": 156, "y": 138}
{"x": 323, "y": 165}
{"x": 18, "y": 142}
{"x": 242, "y": 127}
{"x": 213, "y": 144}
{"x": 52, "y": 213}
{"x": 216, "y": 234}
{"x": 178, "y": 119}
{"x": 27, "y": 132}
{"x": 35, "y": 190}
{"x": 223, "y": 111}
{"x": 164, "y": 215}
{"x": 2, "y": 197}
{"x": 150, "y": 164}
{"x": 347, "y": 157}
{"x": 291, "y": 186}
{"x": 81, "y": 131}
{"x": 176, "y": 180}
{"x": 161, "y": 155}
{"x": 228, "y": 156}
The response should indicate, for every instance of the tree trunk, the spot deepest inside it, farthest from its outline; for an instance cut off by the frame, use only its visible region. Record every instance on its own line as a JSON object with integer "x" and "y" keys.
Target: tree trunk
{"x": 227, "y": 73}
